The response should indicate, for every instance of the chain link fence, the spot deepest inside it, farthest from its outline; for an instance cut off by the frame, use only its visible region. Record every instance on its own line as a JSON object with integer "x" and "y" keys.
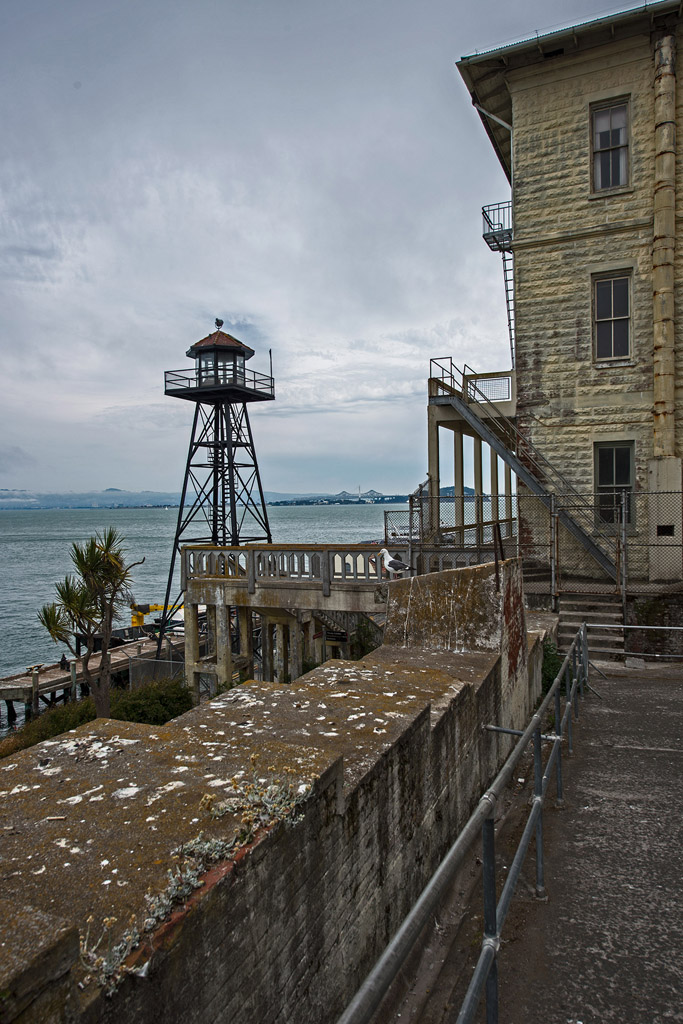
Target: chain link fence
{"x": 147, "y": 668}
{"x": 608, "y": 541}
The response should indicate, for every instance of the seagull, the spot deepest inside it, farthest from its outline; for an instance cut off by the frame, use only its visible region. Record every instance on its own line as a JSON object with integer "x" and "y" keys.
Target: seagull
{"x": 393, "y": 565}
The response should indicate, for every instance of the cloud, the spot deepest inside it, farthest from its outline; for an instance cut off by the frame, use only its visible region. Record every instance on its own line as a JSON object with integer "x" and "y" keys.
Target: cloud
{"x": 12, "y": 457}
{"x": 310, "y": 173}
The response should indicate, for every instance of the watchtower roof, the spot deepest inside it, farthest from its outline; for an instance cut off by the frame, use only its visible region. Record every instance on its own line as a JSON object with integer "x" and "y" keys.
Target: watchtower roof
{"x": 220, "y": 340}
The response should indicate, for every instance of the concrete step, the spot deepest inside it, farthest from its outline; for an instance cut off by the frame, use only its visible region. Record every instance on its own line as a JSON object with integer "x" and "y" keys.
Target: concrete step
{"x": 595, "y": 619}
{"x": 576, "y": 604}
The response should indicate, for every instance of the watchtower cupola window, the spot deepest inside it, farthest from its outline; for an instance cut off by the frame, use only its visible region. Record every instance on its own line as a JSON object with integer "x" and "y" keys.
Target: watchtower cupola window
{"x": 220, "y": 368}
{"x": 610, "y": 145}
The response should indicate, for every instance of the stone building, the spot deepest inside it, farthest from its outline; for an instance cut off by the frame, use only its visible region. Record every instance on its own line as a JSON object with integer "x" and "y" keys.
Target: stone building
{"x": 583, "y": 121}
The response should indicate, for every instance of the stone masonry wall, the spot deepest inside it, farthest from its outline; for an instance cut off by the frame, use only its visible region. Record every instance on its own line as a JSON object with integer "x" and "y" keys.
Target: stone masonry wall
{"x": 288, "y": 927}
{"x": 563, "y": 236}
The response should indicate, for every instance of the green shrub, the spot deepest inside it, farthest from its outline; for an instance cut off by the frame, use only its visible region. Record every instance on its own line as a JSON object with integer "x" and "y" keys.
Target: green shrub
{"x": 552, "y": 663}
{"x": 154, "y": 704}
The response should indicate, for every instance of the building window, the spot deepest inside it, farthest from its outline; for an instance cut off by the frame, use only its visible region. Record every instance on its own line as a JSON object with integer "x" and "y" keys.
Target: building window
{"x": 612, "y": 317}
{"x": 613, "y": 477}
{"x": 610, "y": 145}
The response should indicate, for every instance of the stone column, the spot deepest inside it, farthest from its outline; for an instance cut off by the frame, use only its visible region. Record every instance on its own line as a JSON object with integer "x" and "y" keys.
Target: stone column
{"x": 458, "y": 487}
{"x": 280, "y": 652}
{"x": 223, "y": 646}
{"x": 432, "y": 513}
{"x": 246, "y": 641}
{"x": 478, "y": 486}
{"x": 663, "y": 245}
{"x": 267, "y": 649}
{"x": 295, "y": 653}
{"x": 508, "y": 499}
{"x": 495, "y": 504}
{"x": 664, "y": 471}
{"x": 191, "y": 649}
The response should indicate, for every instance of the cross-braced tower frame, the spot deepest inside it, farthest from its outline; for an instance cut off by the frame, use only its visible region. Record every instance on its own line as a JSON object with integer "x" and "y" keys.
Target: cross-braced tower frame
{"x": 222, "y": 500}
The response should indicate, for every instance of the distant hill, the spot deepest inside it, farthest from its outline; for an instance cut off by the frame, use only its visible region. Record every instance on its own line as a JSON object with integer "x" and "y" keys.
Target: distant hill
{"x": 114, "y": 497}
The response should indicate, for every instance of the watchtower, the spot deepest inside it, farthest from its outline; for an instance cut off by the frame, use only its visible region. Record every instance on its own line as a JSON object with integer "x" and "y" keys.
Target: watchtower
{"x": 222, "y": 499}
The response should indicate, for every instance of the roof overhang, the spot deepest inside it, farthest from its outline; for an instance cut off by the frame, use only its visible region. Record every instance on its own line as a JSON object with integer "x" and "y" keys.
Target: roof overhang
{"x": 485, "y": 74}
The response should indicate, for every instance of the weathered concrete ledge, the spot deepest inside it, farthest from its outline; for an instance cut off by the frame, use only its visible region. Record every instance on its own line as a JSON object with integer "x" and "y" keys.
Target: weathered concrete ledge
{"x": 285, "y": 929}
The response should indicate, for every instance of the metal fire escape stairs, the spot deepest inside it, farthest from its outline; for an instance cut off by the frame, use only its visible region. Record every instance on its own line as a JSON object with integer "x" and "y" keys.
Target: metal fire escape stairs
{"x": 459, "y": 389}
{"x": 497, "y": 232}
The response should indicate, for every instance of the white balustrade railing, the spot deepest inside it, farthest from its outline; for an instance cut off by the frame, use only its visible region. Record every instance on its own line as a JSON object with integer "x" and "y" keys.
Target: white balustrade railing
{"x": 253, "y": 564}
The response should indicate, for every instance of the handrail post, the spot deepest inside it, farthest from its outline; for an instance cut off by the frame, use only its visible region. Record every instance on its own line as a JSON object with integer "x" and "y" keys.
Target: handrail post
{"x": 490, "y": 926}
{"x": 538, "y": 794}
{"x": 568, "y": 693}
{"x": 558, "y": 733}
{"x": 574, "y": 679}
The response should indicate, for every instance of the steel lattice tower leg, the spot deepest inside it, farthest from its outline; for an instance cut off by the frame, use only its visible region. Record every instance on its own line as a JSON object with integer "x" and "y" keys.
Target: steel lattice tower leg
{"x": 222, "y": 501}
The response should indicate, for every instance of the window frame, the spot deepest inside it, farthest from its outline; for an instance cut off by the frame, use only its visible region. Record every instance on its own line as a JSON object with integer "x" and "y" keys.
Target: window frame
{"x": 614, "y": 489}
{"x": 596, "y": 108}
{"x": 597, "y": 279}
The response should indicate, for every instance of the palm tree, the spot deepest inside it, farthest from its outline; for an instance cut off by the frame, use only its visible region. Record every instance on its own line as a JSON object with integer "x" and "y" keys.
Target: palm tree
{"x": 87, "y": 603}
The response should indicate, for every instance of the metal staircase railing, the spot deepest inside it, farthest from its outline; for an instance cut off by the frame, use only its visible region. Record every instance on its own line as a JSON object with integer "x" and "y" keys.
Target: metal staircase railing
{"x": 459, "y": 388}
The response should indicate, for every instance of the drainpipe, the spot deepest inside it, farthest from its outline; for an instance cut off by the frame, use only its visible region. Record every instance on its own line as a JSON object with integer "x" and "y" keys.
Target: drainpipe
{"x": 663, "y": 244}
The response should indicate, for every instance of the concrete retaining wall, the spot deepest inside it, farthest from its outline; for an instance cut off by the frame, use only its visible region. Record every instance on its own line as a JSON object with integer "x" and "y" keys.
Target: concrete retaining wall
{"x": 286, "y": 931}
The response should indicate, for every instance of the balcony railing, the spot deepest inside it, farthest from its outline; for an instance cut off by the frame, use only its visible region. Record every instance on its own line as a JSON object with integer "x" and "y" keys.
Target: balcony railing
{"x": 356, "y": 565}
{"x": 497, "y": 226}
{"x": 204, "y": 380}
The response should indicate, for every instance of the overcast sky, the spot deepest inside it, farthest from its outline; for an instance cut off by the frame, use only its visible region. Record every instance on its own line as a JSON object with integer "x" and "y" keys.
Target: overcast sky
{"x": 310, "y": 171}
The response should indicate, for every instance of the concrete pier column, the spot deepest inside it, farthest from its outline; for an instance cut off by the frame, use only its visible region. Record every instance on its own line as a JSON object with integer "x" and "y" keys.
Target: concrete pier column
{"x": 458, "y": 487}
{"x": 246, "y": 640}
{"x": 280, "y": 652}
{"x": 267, "y": 649}
{"x": 224, "y": 666}
{"x": 478, "y": 486}
{"x": 308, "y": 630}
{"x": 431, "y": 515}
{"x": 210, "y": 631}
{"x": 192, "y": 650}
{"x": 495, "y": 504}
{"x": 295, "y": 651}
{"x": 509, "y": 508}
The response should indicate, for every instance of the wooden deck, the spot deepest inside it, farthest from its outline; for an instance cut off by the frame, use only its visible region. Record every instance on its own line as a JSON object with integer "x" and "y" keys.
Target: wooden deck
{"x": 49, "y": 681}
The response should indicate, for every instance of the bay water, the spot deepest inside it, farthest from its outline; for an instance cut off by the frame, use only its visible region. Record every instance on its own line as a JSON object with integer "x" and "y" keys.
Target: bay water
{"x": 35, "y": 544}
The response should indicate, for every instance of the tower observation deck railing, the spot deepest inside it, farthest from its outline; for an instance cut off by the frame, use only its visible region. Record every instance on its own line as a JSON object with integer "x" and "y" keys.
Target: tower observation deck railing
{"x": 203, "y": 380}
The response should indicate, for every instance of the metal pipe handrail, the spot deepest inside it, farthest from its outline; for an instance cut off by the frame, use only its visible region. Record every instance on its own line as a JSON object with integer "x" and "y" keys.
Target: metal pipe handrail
{"x": 368, "y": 998}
